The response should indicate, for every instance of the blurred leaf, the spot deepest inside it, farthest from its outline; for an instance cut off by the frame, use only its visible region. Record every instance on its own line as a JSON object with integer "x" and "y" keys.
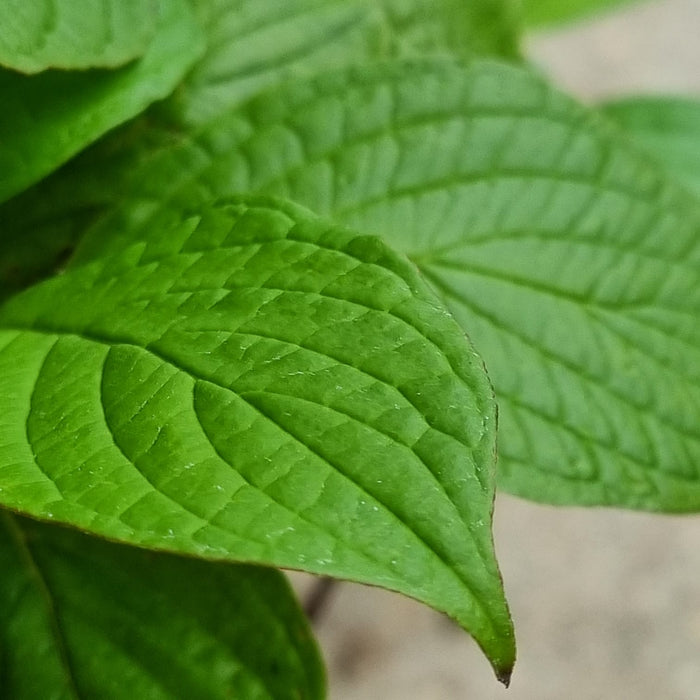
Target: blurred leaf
{"x": 84, "y": 618}
{"x": 48, "y": 118}
{"x": 40, "y": 228}
{"x": 545, "y": 12}
{"x": 253, "y": 45}
{"x": 70, "y": 34}
{"x": 668, "y": 128}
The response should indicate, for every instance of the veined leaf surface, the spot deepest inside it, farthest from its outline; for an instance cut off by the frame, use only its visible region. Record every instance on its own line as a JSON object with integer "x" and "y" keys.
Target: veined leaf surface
{"x": 84, "y": 618}
{"x": 251, "y": 383}
{"x": 668, "y": 128}
{"x": 574, "y": 265}
{"x": 71, "y": 34}
{"x": 253, "y": 45}
{"x": 49, "y": 117}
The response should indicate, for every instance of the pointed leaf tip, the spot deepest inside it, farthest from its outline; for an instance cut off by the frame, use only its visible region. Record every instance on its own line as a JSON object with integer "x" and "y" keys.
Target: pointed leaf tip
{"x": 504, "y": 675}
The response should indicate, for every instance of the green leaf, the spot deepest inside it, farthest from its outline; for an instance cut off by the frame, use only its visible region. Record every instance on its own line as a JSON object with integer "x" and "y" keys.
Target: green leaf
{"x": 668, "y": 128}
{"x": 40, "y": 228}
{"x": 254, "y": 45}
{"x": 573, "y": 264}
{"x": 72, "y": 34}
{"x": 252, "y": 383}
{"x": 251, "y": 45}
{"x": 83, "y": 618}
{"x": 537, "y": 12}
{"x": 49, "y": 117}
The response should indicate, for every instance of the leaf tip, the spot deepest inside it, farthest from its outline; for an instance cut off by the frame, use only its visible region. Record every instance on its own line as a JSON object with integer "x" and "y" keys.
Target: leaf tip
{"x": 503, "y": 674}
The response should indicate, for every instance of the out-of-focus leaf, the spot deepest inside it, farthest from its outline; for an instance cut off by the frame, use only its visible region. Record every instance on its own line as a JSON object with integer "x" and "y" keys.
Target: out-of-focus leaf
{"x": 668, "y": 128}
{"x": 49, "y": 117}
{"x": 545, "y": 12}
{"x": 254, "y": 45}
{"x": 84, "y": 618}
{"x": 70, "y": 34}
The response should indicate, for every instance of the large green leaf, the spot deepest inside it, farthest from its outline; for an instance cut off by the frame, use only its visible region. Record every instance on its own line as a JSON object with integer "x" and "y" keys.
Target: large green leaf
{"x": 83, "y": 618}
{"x": 47, "y": 118}
{"x": 251, "y": 383}
{"x": 573, "y": 264}
{"x": 64, "y": 34}
{"x": 668, "y": 128}
{"x": 253, "y": 44}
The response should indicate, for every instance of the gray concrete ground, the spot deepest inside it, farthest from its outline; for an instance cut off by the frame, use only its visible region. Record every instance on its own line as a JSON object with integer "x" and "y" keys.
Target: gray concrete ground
{"x": 606, "y": 603}
{"x": 650, "y": 47}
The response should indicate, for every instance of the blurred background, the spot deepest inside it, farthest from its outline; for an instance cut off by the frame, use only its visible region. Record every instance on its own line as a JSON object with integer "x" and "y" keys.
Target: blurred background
{"x": 606, "y": 603}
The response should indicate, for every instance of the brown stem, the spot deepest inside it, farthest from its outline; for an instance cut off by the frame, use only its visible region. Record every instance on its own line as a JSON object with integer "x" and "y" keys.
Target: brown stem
{"x": 318, "y": 598}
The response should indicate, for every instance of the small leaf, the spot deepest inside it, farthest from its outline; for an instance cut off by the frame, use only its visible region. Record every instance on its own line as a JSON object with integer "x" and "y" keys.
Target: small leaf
{"x": 573, "y": 264}
{"x": 84, "y": 618}
{"x": 71, "y": 34}
{"x": 251, "y": 383}
{"x": 41, "y": 227}
{"x": 668, "y": 128}
{"x": 49, "y": 117}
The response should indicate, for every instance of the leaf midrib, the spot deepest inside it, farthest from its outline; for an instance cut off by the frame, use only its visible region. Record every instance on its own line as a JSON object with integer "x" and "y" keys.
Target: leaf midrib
{"x": 595, "y": 309}
{"x": 432, "y": 256}
{"x": 595, "y": 182}
{"x": 581, "y": 300}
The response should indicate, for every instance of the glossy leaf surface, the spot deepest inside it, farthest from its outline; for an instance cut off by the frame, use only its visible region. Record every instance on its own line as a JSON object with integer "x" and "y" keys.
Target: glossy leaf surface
{"x": 85, "y": 618}
{"x": 254, "y": 384}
